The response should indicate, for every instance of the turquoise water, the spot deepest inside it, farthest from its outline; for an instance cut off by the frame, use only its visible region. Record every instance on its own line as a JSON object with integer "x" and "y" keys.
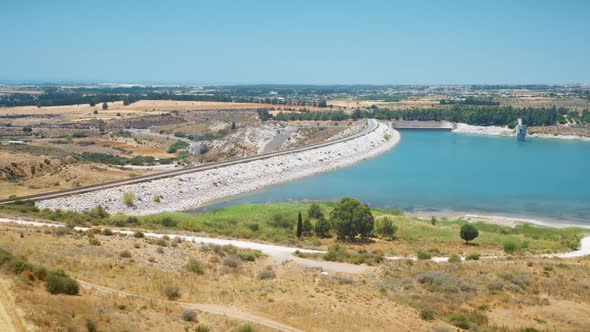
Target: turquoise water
{"x": 435, "y": 170}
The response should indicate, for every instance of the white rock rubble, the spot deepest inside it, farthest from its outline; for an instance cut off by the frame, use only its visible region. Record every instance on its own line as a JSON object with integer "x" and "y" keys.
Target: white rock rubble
{"x": 195, "y": 189}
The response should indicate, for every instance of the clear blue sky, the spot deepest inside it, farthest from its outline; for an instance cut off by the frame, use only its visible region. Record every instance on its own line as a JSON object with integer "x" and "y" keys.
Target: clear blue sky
{"x": 316, "y": 42}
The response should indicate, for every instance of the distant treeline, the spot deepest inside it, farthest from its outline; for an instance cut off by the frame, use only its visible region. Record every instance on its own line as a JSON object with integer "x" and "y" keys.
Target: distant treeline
{"x": 481, "y": 116}
{"x": 56, "y": 99}
{"x": 74, "y": 98}
{"x": 110, "y": 159}
{"x": 469, "y": 101}
{"x": 381, "y": 96}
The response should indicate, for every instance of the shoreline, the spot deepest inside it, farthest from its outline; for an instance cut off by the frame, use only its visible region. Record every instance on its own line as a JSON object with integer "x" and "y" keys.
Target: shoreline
{"x": 502, "y": 220}
{"x": 466, "y": 129}
{"x": 189, "y": 191}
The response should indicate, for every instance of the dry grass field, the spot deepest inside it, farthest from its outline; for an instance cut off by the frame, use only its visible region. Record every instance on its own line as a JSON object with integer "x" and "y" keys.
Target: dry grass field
{"x": 116, "y": 110}
{"x": 487, "y": 295}
{"x": 408, "y": 103}
{"x": 41, "y": 168}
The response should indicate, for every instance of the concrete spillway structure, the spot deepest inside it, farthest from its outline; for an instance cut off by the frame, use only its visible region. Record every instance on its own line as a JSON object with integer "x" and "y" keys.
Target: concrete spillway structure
{"x": 422, "y": 125}
{"x": 520, "y": 131}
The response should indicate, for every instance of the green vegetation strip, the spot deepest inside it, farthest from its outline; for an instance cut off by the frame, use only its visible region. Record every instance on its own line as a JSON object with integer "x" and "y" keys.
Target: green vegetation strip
{"x": 278, "y": 223}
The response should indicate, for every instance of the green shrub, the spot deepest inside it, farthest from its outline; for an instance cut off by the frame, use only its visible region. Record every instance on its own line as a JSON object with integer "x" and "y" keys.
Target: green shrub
{"x": 94, "y": 241}
{"x": 245, "y": 328}
{"x": 427, "y": 314}
{"x": 461, "y": 321}
{"x": 169, "y": 222}
{"x": 202, "y": 328}
{"x": 195, "y": 266}
{"x": 248, "y": 255}
{"x": 385, "y": 228}
{"x": 20, "y": 264}
{"x": 58, "y": 282}
{"x": 322, "y": 228}
{"x": 474, "y": 256}
{"x": 315, "y": 212}
{"x": 423, "y": 255}
{"x": 510, "y": 246}
{"x": 91, "y": 326}
{"x": 128, "y": 199}
{"x": 99, "y": 212}
{"x": 138, "y": 235}
{"x": 454, "y": 258}
{"x": 157, "y": 198}
{"x": 40, "y": 272}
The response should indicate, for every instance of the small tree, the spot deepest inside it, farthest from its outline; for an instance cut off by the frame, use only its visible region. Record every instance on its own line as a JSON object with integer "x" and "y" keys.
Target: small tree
{"x": 350, "y": 218}
{"x": 299, "y": 226}
{"x": 233, "y": 125}
{"x": 322, "y": 228}
{"x": 315, "y": 211}
{"x": 468, "y": 232}
{"x": 105, "y": 106}
{"x": 385, "y": 227}
{"x": 433, "y": 220}
{"x": 307, "y": 228}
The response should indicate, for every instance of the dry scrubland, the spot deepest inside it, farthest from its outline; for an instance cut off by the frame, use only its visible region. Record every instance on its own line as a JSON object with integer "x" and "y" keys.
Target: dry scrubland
{"x": 498, "y": 295}
{"x": 292, "y": 296}
{"x": 43, "y": 169}
{"x": 522, "y": 100}
{"x": 52, "y": 160}
{"x": 85, "y": 112}
{"x": 412, "y": 102}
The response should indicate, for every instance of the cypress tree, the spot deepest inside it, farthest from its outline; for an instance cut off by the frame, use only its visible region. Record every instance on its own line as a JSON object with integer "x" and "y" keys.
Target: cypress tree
{"x": 299, "y": 226}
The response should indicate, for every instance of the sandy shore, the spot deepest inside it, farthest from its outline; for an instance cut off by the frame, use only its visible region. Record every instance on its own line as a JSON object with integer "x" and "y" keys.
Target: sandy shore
{"x": 463, "y": 128}
{"x": 508, "y": 221}
{"x": 195, "y": 189}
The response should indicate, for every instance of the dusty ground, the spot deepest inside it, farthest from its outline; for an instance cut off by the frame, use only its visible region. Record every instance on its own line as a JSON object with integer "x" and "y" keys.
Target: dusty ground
{"x": 546, "y": 294}
{"x": 293, "y": 297}
{"x": 34, "y": 169}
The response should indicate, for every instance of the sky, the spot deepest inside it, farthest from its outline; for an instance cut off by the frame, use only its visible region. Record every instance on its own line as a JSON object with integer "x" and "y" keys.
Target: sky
{"x": 296, "y": 42}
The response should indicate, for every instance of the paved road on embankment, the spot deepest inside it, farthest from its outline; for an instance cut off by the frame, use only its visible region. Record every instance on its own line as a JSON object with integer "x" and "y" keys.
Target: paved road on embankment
{"x": 372, "y": 125}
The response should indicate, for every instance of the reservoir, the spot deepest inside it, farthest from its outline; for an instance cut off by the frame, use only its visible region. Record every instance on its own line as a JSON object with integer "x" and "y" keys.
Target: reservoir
{"x": 547, "y": 179}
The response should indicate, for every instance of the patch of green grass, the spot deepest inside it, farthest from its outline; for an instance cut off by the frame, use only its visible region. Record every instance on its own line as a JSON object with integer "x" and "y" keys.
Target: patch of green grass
{"x": 276, "y": 223}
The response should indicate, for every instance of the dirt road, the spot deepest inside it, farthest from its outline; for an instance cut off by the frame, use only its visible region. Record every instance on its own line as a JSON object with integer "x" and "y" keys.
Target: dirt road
{"x": 9, "y": 318}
